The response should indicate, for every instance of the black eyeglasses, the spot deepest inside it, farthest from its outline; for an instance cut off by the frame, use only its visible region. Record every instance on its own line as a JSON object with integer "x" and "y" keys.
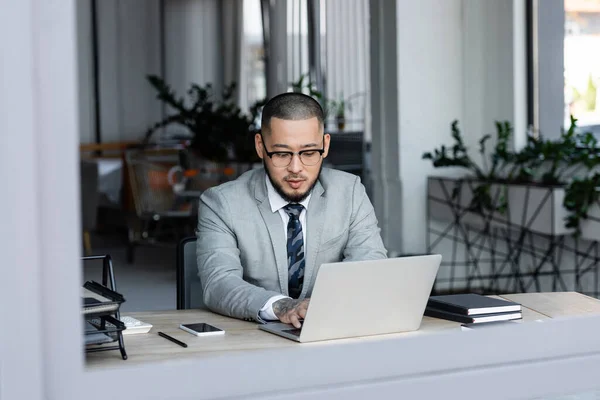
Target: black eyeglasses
{"x": 282, "y": 159}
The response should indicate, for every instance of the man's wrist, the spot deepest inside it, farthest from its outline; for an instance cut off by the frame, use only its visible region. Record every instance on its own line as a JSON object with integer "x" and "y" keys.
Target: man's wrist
{"x": 266, "y": 312}
{"x": 284, "y": 306}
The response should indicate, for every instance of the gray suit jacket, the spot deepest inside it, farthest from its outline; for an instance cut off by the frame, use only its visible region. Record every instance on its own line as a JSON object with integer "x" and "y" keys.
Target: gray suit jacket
{"x": 241, "y": 248}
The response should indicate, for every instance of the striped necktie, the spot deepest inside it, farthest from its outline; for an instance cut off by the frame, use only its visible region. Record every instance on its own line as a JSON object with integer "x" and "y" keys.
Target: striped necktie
{"x": 295, "y": 250}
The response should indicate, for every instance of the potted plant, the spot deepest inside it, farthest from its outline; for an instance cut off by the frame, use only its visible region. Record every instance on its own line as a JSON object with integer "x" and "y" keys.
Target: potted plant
{"x": 340, "y": 115}
{"x": 220, "y": 131}
{"x": 340, "y": 106}
{"x": 559, "y": 175}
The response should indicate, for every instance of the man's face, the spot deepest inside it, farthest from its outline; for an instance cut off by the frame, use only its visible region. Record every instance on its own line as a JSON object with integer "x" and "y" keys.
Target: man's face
{"x": 295, "y": 181}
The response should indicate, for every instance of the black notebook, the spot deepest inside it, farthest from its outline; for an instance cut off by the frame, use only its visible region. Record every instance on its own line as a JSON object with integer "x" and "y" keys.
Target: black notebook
{"x": 471, "y": 319}
{"x": 472, "y": 304}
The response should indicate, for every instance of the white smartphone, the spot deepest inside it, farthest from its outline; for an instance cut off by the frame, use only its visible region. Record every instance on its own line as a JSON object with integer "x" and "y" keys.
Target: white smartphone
{"x": 202, "y": 329}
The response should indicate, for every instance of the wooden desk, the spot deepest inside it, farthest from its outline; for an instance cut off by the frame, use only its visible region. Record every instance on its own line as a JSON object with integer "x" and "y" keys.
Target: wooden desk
{"x": 242, "y": 336}
{"x": 559, "y": 304}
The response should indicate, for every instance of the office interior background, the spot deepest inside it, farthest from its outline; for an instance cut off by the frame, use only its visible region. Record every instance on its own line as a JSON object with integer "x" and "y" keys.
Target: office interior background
{"x": 101, "y": 161}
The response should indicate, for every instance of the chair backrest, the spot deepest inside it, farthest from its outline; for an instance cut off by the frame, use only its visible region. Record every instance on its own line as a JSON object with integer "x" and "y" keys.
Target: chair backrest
{"x": 348, "y": 150}
{"x": 88, "y": 171}
{"x": 189, "y": 290}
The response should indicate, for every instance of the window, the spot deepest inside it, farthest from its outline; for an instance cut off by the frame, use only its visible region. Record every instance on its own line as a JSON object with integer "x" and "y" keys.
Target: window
{"x": 297, "y": 41}
{"x": 40, "y": 283}
{"x": 347, "y": 61}
{"x": 254, "y": 86}
{"x": 582, "y": 62}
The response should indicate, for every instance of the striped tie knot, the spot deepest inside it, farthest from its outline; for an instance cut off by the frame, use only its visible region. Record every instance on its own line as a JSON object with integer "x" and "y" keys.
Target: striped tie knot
{"x": 293, "y": 210}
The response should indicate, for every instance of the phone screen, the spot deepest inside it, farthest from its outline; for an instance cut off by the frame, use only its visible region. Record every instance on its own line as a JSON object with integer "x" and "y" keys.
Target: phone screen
{"x": 202, "y": 327}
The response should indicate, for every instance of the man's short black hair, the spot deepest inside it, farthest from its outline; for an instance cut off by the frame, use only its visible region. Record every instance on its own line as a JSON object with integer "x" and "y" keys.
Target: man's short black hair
{"x": 292, "y": 107}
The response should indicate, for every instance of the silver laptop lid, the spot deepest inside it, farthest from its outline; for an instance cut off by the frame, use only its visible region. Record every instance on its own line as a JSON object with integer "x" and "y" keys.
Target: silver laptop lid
{"x": 362, "y": 298}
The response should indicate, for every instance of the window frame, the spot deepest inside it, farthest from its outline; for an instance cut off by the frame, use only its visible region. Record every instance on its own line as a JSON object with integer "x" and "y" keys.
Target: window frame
{"x": 44, "y": 289}
{"x": 545, "y": 64}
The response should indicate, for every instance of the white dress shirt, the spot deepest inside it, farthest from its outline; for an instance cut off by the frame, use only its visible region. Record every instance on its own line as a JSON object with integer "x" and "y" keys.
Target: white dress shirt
{"x": 277, "y": 203}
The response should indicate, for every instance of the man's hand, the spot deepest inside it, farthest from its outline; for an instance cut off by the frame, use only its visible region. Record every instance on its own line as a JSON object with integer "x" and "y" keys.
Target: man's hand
{"x": 290, "y": 311}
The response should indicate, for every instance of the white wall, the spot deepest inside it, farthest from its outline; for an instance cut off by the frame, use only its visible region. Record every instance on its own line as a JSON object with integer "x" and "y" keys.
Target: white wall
{"x": 488, "y": 83}
{"x": 454, "y": 61}
{"x": 431, "y": 94}
{"x": 23, "y": 133}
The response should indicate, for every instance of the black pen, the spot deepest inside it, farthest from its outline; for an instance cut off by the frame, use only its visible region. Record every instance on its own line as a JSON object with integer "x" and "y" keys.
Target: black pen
{"x": 172, "y": 339}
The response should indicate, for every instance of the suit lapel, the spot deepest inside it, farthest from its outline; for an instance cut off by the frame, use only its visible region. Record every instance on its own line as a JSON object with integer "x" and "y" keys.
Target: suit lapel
{"x": 275, "y": 228}
{"x": 315, "y": 221}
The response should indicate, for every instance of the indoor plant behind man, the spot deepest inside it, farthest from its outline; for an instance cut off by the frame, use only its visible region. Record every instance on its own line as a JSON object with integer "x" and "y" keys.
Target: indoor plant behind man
{"x": 263, "y": 237}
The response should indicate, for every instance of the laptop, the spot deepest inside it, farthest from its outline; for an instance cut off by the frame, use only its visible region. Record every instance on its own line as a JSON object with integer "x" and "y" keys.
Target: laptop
{"x": 363, "y": 298}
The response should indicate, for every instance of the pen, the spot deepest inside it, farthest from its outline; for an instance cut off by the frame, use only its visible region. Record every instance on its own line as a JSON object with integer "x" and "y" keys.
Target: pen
{"x": 172, "y": 339}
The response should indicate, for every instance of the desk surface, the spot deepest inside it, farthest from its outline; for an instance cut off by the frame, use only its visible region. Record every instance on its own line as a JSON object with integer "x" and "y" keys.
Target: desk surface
{"x": 244, "y": 336}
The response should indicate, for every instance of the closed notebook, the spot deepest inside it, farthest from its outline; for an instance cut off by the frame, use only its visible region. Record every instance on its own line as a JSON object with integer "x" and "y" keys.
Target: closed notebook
{"x": 472, "y": 319}
{"x": 472, "y": 304}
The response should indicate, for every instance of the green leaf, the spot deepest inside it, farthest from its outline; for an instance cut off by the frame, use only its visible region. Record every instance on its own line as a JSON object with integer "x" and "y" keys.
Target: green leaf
{"x": 482, "y": 141}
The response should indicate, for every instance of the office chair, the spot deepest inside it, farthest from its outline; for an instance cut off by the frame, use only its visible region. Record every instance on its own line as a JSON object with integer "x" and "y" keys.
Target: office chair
{"x": 89, "y": 177}
{"x": 189, "y": 290}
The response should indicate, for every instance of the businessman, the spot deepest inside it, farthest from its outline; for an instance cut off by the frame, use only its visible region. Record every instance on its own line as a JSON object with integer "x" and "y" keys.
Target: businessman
{"x": 262, "y": 237}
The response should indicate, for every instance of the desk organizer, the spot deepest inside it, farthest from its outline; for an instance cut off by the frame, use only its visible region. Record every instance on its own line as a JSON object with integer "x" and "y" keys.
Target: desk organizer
{"x": 100, "y": 310}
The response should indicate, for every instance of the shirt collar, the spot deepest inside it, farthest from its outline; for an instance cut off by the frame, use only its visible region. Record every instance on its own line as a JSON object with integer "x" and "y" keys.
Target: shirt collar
{"x": 276, "y": 201}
